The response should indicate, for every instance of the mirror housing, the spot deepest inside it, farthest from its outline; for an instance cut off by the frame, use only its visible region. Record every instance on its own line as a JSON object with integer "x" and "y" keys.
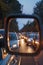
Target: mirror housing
{"x": 9, "y": 18}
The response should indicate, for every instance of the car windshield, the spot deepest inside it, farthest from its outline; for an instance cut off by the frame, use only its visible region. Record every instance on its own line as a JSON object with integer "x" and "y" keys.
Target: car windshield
{"x": 13, "y": 36}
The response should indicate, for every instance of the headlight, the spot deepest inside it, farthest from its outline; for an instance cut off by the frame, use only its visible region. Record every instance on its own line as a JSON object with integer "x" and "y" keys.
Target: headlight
{"x": 1, "y": 37}
{"x": 36, "y": 42}
{"x": 14, "y": 46}
{"x": 29, "y": 39}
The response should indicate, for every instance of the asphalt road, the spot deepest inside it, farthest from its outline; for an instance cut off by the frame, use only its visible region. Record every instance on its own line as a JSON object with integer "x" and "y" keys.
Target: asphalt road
{"x": 27, "y": 61}
{"x": 24, "y": 49}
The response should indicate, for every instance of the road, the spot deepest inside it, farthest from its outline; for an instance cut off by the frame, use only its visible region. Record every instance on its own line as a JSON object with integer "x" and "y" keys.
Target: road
{"x": 27, "y": 49}
{"x": 24, "y": 48}
{"x": 27, "y": 61}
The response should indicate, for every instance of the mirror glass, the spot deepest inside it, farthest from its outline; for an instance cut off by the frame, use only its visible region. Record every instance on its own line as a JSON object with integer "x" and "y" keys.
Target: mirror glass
{"x": 23, "y": 35}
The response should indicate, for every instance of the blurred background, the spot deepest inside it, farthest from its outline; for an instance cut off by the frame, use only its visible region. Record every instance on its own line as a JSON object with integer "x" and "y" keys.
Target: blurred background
{"x": 19, "y": 7}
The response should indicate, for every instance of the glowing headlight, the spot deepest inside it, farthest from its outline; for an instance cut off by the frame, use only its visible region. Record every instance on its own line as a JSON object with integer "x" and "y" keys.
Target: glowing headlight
{"x": 14, "y": 46}
{"x": 36, "y": 42}
{"x": 29, "y": 39}
{"x": 1, "y": 37}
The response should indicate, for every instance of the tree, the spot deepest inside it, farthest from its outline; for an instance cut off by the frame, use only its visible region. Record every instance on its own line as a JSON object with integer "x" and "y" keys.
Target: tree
{"x": 13, "y": 26}
{"x": 0, "y": 13}
{"x": 39, "y": 9}
{"x": 10, "y": 6}
{"x": 30, "y": 27}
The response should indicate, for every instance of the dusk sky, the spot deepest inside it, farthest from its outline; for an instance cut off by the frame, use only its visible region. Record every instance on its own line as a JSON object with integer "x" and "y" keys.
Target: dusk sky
{"x": 28, "y": 5}
{"x": 28, "y": 8}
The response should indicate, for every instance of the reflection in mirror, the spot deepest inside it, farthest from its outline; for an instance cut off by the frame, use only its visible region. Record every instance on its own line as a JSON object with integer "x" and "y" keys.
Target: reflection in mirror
{"x": 24, "y": 35}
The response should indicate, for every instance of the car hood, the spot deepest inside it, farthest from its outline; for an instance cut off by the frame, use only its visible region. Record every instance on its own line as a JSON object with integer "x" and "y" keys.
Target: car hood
{"x": 12, "y": 42}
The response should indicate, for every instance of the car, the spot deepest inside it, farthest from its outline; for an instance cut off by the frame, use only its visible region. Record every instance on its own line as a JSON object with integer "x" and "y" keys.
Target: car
{"x": 13, "y": 39}
{"x": 5, "y": 58}
{"x": 14, "y": 43}
{"x": 29, "y": 41}
{"x": 12, "y": 36}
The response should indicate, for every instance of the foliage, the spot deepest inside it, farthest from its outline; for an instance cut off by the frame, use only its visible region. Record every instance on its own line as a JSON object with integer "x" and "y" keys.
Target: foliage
{"x": 13, "y": 26}
{"x": 39, "y": 9}
{"x": 30, "y": 27}
{"x": 8, "y": 7}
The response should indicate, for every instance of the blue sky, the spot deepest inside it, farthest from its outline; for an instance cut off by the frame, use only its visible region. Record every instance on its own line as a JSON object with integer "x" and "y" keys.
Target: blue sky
{"x": 28, "y": 5}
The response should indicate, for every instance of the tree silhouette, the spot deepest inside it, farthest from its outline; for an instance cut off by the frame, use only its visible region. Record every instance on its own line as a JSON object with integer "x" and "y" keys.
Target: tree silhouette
{"x": 30, "y": 27}
{"x": 39, "y": 9}
{"x": 13, "y": 26}
{"x": 10, "y": 6}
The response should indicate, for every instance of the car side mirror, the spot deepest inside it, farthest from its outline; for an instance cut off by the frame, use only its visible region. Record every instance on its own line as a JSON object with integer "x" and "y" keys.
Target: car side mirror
{"x": 26, "y": 28}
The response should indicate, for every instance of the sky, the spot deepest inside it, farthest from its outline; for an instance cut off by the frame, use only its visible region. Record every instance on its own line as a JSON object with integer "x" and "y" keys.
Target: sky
{"x": 28, "y": 8}
{"x": 28, "y": 5}
{"x": 23, "y": 21}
